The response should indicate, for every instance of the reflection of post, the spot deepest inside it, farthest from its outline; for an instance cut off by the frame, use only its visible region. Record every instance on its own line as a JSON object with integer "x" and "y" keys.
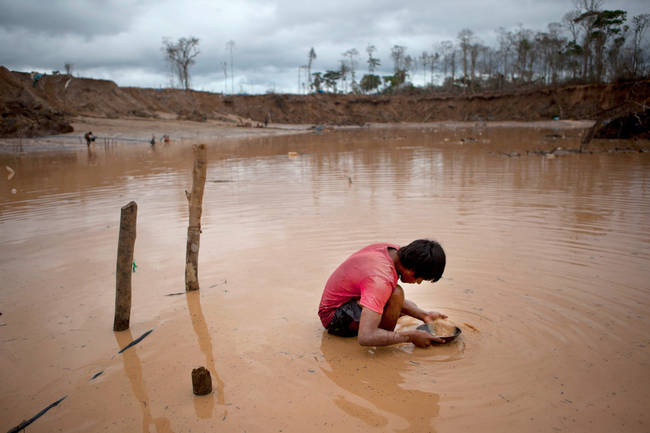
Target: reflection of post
{"x": 203, "y": 406}
{"x": 124, "y": 262}
{"x": 133, "y": 370}
{"x": 195, "y": 199}
{"x": 91, "y": 155}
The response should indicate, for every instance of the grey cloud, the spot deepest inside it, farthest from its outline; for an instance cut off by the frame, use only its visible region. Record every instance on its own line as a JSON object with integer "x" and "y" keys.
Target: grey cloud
{"x": 121, "y": 40}
{"x": 87, "y": 18}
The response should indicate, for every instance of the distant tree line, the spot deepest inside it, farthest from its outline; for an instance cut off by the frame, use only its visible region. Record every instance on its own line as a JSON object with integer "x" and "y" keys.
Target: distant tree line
{"x": 590, "y": 45}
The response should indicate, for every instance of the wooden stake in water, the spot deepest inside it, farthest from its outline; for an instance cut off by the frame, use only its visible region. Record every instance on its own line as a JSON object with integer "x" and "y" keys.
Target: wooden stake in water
{"x": 195, "y": 199}
{"x": 125, "y": 245}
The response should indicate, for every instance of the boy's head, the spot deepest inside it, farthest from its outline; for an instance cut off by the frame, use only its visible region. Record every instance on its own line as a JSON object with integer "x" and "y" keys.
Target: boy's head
{"x": 425, "y": 258}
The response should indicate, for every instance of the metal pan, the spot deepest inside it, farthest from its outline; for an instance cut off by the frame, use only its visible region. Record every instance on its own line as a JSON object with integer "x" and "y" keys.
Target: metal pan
{"x": 446, "y": 339}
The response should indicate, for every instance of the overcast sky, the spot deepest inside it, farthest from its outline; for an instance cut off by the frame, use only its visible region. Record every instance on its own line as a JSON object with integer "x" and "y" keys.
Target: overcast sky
{"x": 121, "y": 40}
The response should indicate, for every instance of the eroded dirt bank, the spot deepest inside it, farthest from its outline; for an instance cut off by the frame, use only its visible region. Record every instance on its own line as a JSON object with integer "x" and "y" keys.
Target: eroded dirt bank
{"x": 32, "y": 108}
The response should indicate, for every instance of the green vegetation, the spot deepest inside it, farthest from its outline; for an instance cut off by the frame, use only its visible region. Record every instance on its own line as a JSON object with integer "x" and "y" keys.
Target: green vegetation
{"x": 590, "y": 45}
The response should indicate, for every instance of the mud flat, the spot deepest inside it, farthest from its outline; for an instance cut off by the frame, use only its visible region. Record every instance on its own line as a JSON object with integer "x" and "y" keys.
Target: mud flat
{"x": 547, "y": 277}
{"x": 111, "y": 131}
{"x": 142, "y": 130}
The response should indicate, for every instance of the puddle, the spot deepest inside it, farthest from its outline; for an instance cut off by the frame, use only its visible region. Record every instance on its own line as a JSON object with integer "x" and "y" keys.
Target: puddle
{"x": 547, "y": 275}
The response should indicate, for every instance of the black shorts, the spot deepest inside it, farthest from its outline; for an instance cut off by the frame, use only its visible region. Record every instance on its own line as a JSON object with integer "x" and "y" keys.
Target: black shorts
{"x": 345, "y": 322}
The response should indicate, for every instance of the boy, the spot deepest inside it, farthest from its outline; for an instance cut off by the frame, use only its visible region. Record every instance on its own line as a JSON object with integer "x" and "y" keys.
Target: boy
{"x": 362, "y": 296}
{"x": 89, "y": 138}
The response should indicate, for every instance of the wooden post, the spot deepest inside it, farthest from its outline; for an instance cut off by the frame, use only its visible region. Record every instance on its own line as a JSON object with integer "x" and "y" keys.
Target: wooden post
{"x": 125, "y": 245}
{"x": 195, "y": 199}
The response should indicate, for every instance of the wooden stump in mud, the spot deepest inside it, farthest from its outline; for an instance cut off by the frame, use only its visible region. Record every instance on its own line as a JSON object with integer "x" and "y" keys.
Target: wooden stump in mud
{"x": 195, "y": 199}
{"x": 125, "y": 246}
{"x": 201, "y": 381}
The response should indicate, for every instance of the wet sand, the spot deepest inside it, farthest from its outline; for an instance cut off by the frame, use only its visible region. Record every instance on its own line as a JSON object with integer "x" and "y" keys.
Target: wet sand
{"x": 547, "y": 276}
{"x": 142, "y": 130}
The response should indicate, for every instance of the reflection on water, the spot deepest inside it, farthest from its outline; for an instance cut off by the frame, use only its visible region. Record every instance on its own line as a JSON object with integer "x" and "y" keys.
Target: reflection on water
{"x": 377, "y": 387}
{"x": 547, "y": 261}
{"x": 133, "y": 370}
{"x": 204, "y": 405}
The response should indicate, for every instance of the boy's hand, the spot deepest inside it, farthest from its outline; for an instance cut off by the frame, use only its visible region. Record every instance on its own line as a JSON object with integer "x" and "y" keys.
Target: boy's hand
{"x": 433, "y": 315}
{"x": 422, "y": 339}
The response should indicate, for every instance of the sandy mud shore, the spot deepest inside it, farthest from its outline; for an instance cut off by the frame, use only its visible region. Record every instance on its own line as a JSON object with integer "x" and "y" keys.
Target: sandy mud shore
{"x": 185, "y": 131}
{"x": 109, "y": 131}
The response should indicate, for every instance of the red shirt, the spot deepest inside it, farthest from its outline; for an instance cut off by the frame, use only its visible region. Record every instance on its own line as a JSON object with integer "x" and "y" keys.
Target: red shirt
{"x": 368, "y": 275}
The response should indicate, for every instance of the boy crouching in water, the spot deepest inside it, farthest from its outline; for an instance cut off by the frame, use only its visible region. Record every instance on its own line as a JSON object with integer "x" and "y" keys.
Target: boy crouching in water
{"x": 362, "y": 296}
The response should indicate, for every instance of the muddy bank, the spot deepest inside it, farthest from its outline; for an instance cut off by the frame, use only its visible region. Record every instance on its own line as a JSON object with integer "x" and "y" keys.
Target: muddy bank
{"x": 72, "y": 96}
{"x": 29, "y": 119}
{"x": 636, "y": 125}
{"x": 558, "y": 137}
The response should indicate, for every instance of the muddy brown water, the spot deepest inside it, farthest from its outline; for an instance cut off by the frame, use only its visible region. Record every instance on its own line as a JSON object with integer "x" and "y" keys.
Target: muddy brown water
{"x": 547, "y": 276}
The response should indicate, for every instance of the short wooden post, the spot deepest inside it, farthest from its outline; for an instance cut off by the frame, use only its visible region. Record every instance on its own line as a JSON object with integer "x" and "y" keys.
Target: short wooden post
{"x": 195, "y": 199}
{"x": 125, "y": 246}
{"x": 201, "y": 381}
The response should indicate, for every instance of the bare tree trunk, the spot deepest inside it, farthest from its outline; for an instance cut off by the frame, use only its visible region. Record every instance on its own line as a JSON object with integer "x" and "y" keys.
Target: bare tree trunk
{"x": 195, "y": 200}
{"x": 590, "y": 134}
{"x": 615, "y": 111}
{"x": 125, "y": 246}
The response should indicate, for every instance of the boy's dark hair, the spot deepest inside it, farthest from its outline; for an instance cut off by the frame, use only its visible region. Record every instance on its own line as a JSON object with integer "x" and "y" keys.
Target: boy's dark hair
{"x": 425, "y": 257}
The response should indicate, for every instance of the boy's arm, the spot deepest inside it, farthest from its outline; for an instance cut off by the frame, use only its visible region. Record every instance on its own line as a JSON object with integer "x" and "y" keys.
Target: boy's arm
{"x": 370, "y": 334}
{"x": 410, "y": 309}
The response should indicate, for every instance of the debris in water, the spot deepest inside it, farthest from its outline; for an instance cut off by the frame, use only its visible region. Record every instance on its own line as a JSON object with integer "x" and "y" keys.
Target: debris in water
{"x": 473, "y": 328}
{"x": 136, "y": 341}
{"x": 24, "y": 424}
{"x": 11, "y": 172}
{"x": 175, "y": 294}
{"x": 134, "y": 266}
{"x": 96, "y": 375}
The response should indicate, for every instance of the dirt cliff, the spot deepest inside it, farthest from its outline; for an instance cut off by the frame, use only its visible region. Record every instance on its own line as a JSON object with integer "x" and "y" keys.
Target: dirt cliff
{"x": 32, "y": 106}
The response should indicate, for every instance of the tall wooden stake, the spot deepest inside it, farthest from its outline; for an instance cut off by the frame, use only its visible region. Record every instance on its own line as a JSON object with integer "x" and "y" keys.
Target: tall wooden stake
{"x": 195, "y": 199}
{"x": 125, "y": 245}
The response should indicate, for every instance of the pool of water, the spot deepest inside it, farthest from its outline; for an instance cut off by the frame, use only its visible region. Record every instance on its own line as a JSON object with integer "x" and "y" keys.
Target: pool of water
{"x": 547, "y": 275}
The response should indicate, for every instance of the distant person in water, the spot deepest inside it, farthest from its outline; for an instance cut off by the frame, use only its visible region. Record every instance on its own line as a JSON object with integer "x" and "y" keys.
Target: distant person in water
{"x": 89, "y": 138}
{"x": 362, "y": 298}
